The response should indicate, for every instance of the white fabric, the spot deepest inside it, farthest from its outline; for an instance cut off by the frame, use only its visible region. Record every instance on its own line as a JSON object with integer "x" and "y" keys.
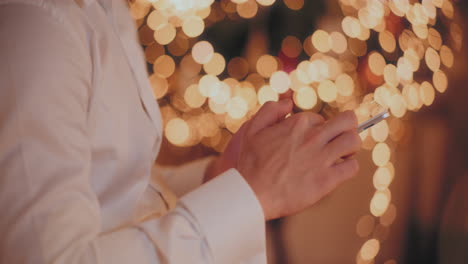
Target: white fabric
{"x": 79, "y": 132}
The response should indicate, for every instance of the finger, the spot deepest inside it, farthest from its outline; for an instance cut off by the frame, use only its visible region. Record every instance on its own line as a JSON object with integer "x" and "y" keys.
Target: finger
{"x": 269, "y": 114}
{"x": 339, "y": 124}
{"x": 286, "y": 95}
{"x": 344, "y": 170}
{"x": 346, "y": 144}
{"x": 232, "y": 150}
{"x": 305, "y": 119}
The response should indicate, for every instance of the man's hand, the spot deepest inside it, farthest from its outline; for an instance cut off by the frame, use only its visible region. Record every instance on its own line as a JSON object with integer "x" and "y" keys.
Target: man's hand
{"x": 228, "y": 159}
{"x": 230, "y": 156}
{"x": 292, "y": 163}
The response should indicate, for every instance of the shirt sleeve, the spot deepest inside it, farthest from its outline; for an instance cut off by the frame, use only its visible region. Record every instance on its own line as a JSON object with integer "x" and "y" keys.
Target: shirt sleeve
{"x": 183, "y": 179}
{"x": 50, "y": 213}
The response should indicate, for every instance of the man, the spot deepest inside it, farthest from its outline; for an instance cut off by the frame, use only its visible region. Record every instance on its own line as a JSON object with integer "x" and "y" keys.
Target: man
{"x": 79, "y": 132}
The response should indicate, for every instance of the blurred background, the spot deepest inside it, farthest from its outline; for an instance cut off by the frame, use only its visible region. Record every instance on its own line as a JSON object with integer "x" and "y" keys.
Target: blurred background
{"x": 214, "y": 63}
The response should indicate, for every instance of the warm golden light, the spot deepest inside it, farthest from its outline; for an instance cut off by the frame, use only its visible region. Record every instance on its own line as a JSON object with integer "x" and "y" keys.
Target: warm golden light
{"x": 209, "y": 85}
{"x": 156, "y": 19}
{"x": 177, "y": 131}
{"x": 291, "y": 46}
{"x": 389, "y": 216}
{"x": 446, "y": 56}
{"x": 327, "y": 91}
{"x": 305, "y": 98}
{"x": 207, "y": 125}
{"x": 159, "y": 85}
{"x": 391, "y": 75}
{"x": 370, "y": 249}
{"x": 216, "y": 65}
{"x": 411, "y": 95}
{"x": 351, "y": 27}
{"x": 387, "y": 41}
{"x": 266, "y": 2}
{"x": 237, "y": 107}
{"x": 380, "y": 202}
{"x": 179, "y": 46}
{"x": 193, "y": 26}
{"x": 202, "y": 52}
{"x": 432, "y": 59}
{"x": 321, "y": 41}
{"x": 339, "y": 44}
{"x": 164, "y": 66}
{"x": 238, "y": 68}
{"x": 266, "y": 94}
{"x": 165, "y": 33}
{"x": 440, "y": 81}
{"x": 434, "y": 38}
{"x": 266, "y": 65}
{"x": 215, "y": 107}
{"x": 189, "y": 67}
{"x": 193, "y": 97}
{"x": 380, "y": 131}
{"x": 427, "y": 93}
{"x": 204, "y": 107}
{"x": 345, "y": 84}
{"x": 365, "y": 225}
{"x": 412, "y": 57}
{"x": 248, "y": 9}
{"x": 381, "y": 154}
{"x": 294, "y": 4}
{"x": 377, "y": 63}
{"x": 249, "y": 95}
{"x": 222, "y": 94}
{"x": 280, "y": 82}
{"x": 382, "y": 178}
{"x": 153, "y": 51}
{"x": 405, "y": 69}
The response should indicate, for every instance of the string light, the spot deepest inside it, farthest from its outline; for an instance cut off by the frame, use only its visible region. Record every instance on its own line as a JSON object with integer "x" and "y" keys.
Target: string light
{"x": 305, "y": 98}
{"x": 210, "y": 97}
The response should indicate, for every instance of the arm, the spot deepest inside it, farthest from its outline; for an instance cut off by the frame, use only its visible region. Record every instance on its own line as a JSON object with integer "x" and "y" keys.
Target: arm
{"x": 183, "y": 179}
{"x": 50, "y": 213}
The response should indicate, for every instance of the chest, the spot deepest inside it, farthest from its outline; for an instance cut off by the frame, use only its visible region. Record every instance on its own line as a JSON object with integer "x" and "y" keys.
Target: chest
{"x": 123, "y": 117}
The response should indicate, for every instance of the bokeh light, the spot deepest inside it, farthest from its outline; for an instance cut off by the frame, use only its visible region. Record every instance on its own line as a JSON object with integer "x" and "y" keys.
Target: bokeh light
{"x": 404, "y": 48}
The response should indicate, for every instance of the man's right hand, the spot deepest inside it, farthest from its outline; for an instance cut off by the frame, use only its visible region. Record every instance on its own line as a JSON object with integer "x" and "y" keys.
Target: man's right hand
{"x": 292, "y": 163}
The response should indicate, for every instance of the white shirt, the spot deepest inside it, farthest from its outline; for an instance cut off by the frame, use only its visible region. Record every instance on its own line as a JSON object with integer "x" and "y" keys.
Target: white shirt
{"x": 79, "y": 132}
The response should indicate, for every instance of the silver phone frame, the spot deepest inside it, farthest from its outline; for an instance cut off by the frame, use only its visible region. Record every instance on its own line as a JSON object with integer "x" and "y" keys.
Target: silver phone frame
{"x": 373, "y": 121}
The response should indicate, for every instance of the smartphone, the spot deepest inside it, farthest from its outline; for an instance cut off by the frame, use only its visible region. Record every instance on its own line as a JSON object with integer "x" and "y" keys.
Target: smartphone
{"x": 376, "y": 114}
{"x": 374, "y": 120}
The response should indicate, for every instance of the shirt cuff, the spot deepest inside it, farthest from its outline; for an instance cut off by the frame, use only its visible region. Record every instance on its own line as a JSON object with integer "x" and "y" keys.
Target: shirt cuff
{"x": 185, "y": 178}
{"x": 230, "y": 217}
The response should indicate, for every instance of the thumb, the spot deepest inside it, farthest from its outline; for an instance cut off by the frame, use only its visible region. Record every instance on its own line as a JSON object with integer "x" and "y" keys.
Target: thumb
{"x": 270, "y": 114}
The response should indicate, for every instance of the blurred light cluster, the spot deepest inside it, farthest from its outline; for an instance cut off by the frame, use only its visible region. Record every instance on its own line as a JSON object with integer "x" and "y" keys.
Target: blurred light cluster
{"x": 396, "y": 53}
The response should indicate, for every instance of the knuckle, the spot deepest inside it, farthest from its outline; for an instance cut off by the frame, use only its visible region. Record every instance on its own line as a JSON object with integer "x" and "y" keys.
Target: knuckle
{"x": 301, "y": 121}
{"x": 316, "y": 118}
{"x": 348, "y": 118}
{"x": 316, "y": 134}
